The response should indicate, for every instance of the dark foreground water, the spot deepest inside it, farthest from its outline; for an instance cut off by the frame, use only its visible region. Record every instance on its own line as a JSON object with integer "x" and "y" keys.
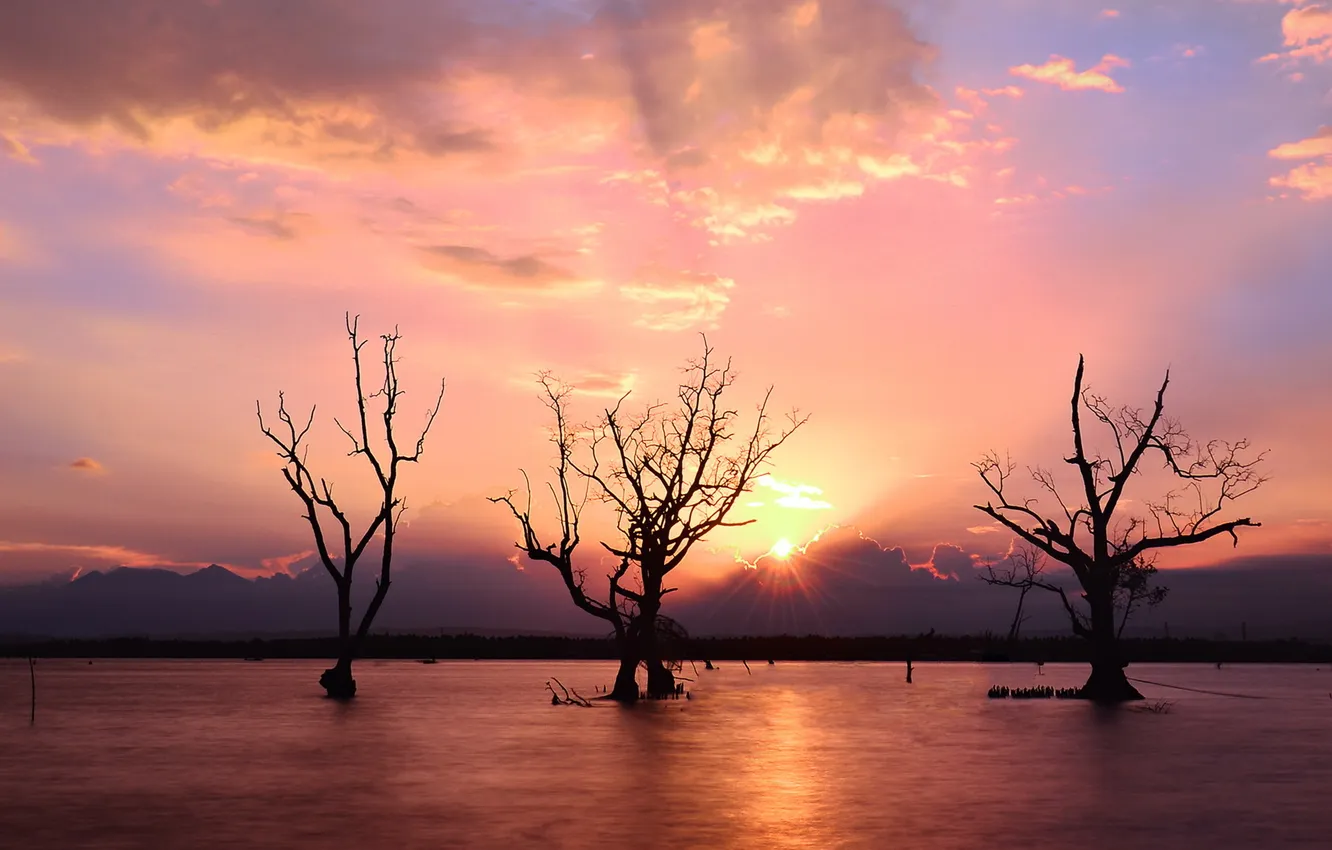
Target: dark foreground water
{"x": 172, "y": 754}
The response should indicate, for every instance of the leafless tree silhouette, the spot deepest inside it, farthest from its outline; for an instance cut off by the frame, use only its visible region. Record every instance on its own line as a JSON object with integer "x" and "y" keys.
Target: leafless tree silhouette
{"x": 671, "y": 474}
{"x": 1100, "y": 549}
{"x": 1022, "y": 569}
{"x": 569, "y": 494}
{"x": 672, "y": 478}
{"x": 316, "y": 494}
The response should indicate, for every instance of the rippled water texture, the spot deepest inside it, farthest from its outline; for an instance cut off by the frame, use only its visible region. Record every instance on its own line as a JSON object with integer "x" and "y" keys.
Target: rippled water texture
{"x": 168, "y": 754}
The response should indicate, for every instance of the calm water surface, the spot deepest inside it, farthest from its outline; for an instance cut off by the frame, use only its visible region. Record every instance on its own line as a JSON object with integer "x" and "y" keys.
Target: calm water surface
{"x": 175, "y": 754}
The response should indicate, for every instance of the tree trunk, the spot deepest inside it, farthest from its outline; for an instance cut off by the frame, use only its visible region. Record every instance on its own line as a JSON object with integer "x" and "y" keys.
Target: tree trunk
{"x": 1107, "y": 682}
{"x": 661, "y": 681}
{"x": 626, "y": 680}
{"x": 337, "y": 680}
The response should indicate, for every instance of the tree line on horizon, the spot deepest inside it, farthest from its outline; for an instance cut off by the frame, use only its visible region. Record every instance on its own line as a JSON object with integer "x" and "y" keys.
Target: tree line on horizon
{"x": 671, "y": 473}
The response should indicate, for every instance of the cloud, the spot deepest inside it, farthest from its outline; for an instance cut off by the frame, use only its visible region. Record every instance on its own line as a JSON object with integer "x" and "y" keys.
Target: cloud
{"x": 282, "y": 226}
{"x": 114, "y": 555}
{"x": 732, "y": 114}
{"x": 87, "y": 464}
{"x": 284, "y": 563}
{"x": 949, "y": 561}
{"x": 1062, "y": 71}
{"x": 1318, "y": 145}
{"x": 1312, "y": 180}
{"x": 795, "y": 496}
{"x": 337, "y": 78}
{"x": 748, "y": 110}
{"x": 605, "y": 384}
{"x": 1308, "y": 32}
{"x": 16, "y": 150}
{"x": 477, "y": 267}
{"x": 678, "y": 300}
{"x": 742, "y": 109}
{"x": 844, "y": 556}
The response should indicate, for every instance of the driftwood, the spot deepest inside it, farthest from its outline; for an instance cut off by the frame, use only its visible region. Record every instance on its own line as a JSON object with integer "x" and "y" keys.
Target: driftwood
{"x": 565, "y": 696}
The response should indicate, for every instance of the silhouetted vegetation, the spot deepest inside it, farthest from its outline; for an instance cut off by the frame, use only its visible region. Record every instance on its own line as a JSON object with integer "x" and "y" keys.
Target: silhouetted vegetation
{"x": 316, "y": 494}
{"x": 1024, "y": 569}
{"x": 568, "y": 510}
{"x": 896, "y": 649}
{"x": 671, "y": 475}
{"x": 1112, "y": 559}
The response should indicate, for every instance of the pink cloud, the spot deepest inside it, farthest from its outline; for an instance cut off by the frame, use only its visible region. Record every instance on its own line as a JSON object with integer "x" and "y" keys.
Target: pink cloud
{"x": 16, "y": 150}
{"x": 87, "y": 464}
{"x": 678, "y": 300}
{"x": 1312, "y": 180}
{"x": 1062, "y": 71}
{"x": 284, "y": 563}
{"x": 120, "y": 556}
{"x": 1307, "y": 31}
{"x": 1317, "y": 145}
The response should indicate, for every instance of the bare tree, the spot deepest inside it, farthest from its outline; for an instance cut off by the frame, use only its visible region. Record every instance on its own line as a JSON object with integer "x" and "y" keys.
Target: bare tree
{"x": 1098, "y": 547}
{"x": 1023, "y": 569}
{"x": 569, "y": 499}
{"x": 671, "y": 475}
{"x": 316, "y": 494}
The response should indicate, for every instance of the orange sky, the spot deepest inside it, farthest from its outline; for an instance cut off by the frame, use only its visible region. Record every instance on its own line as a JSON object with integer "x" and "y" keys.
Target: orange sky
{"x": 911, "y": 219}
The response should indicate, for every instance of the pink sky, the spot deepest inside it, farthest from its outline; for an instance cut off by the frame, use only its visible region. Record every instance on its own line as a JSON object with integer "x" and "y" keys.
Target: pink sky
{"x": 910, "y": 219}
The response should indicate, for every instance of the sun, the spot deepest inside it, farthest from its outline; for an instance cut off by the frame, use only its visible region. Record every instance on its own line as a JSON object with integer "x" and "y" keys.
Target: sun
{"x": 782, "y": 548}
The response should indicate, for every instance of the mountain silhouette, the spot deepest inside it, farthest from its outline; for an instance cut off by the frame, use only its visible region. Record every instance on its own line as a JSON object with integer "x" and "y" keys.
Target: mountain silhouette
{"x": 841, "y": 587}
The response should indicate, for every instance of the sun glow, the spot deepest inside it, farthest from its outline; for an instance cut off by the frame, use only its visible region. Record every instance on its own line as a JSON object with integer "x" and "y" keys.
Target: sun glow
{"x": 782, "y": 549}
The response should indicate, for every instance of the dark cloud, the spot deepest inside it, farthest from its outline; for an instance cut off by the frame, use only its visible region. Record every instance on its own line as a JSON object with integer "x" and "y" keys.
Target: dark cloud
{"x": 217, "y": 61}
{"x": 754, "y": 101}
{"x": 952, "y": 561}
{"x": 454, "y": 141}
{"x": 278, "y": 227}
{"x": 85, "y": 60}
{"x": 753, "y": 56}
{"x": 474, "y": 266}
{"x": 848, "y": 585}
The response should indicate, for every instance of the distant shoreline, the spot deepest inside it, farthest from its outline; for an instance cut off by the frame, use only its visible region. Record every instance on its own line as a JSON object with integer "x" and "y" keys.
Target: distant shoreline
{"x": 778, "y": 648}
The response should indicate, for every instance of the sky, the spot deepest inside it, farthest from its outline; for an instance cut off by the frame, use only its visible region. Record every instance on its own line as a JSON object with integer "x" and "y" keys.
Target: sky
{"x": 908, "y": 218}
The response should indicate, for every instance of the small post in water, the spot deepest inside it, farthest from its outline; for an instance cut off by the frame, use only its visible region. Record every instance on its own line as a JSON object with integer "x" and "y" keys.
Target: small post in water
{"x": 908, "y": 671}
{"x": 32, "y": 680}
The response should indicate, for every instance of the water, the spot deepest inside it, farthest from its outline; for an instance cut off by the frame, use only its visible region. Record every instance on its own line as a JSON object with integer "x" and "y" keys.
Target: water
{"x": 203, "y": 754}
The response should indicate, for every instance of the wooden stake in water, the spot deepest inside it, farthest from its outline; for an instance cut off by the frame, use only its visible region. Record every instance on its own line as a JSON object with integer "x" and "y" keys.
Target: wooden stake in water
{"x": 32, "y": 680}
